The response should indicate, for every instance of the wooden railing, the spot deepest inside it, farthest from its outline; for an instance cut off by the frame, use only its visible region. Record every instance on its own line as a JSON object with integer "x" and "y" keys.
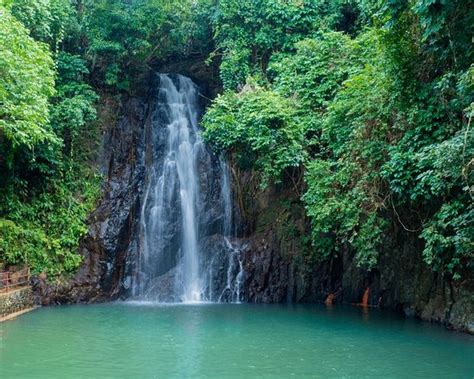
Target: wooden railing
{"x": 14, "y": 279}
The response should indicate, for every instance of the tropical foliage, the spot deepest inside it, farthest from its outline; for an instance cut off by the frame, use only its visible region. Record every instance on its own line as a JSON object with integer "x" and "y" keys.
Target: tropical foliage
{"x": 379, "y": 99}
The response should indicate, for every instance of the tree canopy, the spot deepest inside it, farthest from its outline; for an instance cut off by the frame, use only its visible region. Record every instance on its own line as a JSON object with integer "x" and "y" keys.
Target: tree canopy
{"x": 379, "y": 103}
{"x": 26, "y": 84}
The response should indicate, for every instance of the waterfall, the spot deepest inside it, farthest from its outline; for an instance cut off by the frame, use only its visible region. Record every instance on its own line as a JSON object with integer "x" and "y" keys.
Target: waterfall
{"x": 227, "y": 197}
{"x": 181, "y": 212}
{"x": 231, "y": 292}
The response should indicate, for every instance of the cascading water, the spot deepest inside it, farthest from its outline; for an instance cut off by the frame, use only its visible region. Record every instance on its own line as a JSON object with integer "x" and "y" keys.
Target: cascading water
{"x": 183, "y": 219}
{"x": 231, "y": 291}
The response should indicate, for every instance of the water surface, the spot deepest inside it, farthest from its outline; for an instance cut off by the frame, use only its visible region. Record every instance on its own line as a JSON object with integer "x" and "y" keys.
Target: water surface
{"x": 228, "y": 341}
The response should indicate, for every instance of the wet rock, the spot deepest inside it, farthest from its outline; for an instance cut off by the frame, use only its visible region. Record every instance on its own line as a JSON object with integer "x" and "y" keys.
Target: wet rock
{"x": 106, "y": 248}
{"x": 162, "y": 288}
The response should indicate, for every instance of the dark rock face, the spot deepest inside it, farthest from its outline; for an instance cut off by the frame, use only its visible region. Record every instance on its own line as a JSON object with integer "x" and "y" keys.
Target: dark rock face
{"x": 278, "y": 267}
{"x": 109, "y": 242}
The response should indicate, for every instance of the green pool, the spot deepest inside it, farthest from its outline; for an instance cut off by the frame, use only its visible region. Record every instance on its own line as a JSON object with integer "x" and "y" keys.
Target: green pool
{"x": 122, "y": 340}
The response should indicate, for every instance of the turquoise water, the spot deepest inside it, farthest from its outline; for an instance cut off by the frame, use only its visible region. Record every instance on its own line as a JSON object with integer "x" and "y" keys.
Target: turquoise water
{"x": 228, "y": 341}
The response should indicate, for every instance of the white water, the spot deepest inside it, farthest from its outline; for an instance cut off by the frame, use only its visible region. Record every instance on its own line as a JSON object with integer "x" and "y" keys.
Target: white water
{"x": 234, "y": 282}
{"x": 226, "y": 193}
{"x": 231, "y": 292}
{"x": 178, "y": 176}
{"x": 174, "y": 196}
